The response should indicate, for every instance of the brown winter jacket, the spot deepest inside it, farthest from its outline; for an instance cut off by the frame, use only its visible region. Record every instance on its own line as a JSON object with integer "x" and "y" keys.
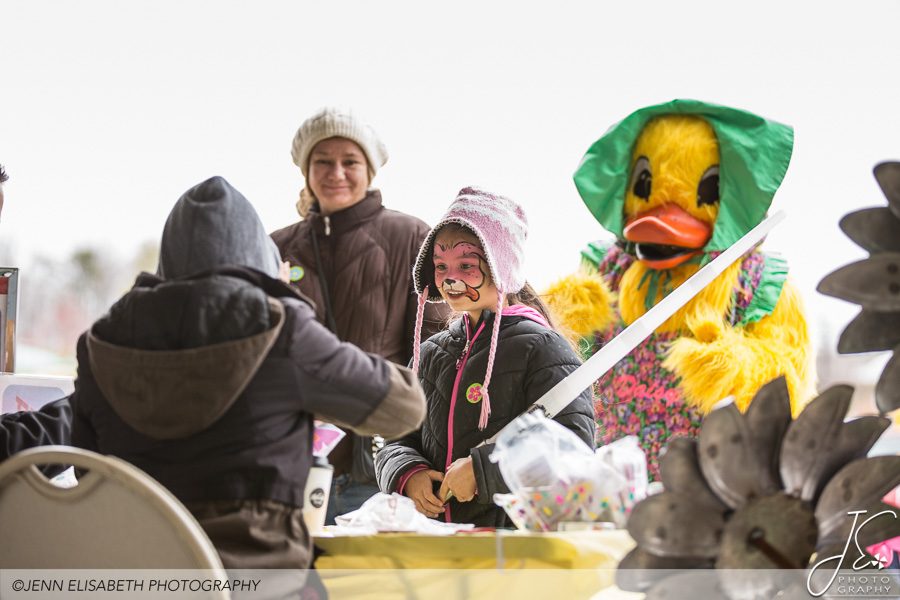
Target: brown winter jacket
{"x": 366, "y": 254}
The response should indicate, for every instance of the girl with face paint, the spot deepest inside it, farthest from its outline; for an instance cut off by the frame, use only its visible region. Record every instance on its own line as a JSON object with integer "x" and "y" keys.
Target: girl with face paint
{"x": 498, "y": 357}
{"x": 461, "y": 274}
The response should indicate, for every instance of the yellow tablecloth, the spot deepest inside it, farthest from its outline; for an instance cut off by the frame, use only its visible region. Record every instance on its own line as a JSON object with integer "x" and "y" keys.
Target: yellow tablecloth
{"x": 508, "y": 564}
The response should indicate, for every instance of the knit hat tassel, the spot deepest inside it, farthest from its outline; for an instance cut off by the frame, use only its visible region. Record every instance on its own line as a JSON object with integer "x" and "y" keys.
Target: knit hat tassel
{"x": 417, "y": 335}
{"x": 495, "y": 334}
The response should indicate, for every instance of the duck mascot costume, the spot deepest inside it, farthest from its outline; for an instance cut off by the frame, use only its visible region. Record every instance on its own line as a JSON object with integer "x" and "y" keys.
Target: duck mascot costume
{"x": 677, "y": 184}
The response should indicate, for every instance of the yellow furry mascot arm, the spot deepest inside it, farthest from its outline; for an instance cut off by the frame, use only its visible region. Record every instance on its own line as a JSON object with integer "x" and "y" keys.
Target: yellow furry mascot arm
{"x": 717, "y": 360}
{"x": 582, "y": 304}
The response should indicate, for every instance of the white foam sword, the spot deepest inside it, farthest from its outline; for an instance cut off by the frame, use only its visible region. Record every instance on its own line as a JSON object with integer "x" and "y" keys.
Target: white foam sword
{"x": 563, "y": 393}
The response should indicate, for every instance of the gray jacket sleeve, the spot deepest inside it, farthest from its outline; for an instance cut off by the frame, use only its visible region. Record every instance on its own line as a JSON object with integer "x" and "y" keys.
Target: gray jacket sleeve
{"x": 550, "y": 360}
{"x": 348, "y": 387}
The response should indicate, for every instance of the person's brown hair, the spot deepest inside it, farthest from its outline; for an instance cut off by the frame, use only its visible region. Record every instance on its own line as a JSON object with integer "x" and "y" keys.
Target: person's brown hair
{"x": 305, "y": 202}
{"x": 528, "y": 297}
{"x": 3, "y": 176}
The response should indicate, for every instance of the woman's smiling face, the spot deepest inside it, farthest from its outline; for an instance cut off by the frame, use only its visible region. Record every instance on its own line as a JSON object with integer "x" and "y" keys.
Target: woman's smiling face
{"x": 338, "y": 174}
{"x": 461, "y": 272}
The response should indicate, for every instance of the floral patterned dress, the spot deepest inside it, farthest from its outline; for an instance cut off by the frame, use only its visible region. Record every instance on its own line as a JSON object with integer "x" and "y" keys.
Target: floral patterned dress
{"x": 639, "y": 396}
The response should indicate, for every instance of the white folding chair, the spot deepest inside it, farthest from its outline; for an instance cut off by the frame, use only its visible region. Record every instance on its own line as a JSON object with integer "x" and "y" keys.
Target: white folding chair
{"x": 117, "y": 517}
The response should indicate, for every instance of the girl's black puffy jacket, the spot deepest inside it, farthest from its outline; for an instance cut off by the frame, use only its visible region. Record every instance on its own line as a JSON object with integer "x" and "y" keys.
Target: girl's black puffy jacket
{"x": 530, "y": 359}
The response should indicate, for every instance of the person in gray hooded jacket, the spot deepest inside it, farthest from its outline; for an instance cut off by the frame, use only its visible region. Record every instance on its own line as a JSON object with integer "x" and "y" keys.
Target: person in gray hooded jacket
{"x": 208, "y": 376}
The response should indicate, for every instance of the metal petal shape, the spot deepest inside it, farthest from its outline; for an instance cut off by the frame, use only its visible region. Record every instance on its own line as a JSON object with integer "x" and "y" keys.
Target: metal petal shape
{"x": 883, "y": 524}
{"x": 852, "y": 441}
{"x": 887, "y": 391}
{"x": 639, "y": 569}
{"x": 700, "y": 584}
{"x": 816, "y": 427}
{"x": 768, "y": 417}
{"x": 862, "y": 482}
{"x": 774, "y": 532}
{"x": 870, "y": 332}
{"x": 888, "y": 176}
{"x": 873, "y": 283}
{"x": 728, "y": 458}
{"x": 680, "y": 473}
{"x": 874, "y": 229}
{"x": 670, "y": 524}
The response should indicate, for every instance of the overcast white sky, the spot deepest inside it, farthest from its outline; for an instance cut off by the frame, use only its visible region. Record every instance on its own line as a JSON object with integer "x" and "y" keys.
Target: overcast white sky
{"x": 109, "y": 110}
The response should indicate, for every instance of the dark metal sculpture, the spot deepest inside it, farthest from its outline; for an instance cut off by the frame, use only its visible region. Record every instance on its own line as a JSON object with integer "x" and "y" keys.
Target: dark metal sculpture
{"x": 874, "y": 284}
{"x": 762, "y": 491}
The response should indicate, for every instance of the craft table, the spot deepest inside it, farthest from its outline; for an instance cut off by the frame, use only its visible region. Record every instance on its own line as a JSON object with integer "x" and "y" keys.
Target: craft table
{"x": 495, "y": 564}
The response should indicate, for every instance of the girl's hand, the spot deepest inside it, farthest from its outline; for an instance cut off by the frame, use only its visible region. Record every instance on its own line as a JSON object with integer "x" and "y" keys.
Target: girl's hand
{"x": 460, "y": 479}
{"x": 419, "y": 489}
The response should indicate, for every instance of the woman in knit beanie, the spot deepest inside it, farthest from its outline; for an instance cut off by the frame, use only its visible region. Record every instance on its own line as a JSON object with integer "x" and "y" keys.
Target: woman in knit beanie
{"x": 353, "y": 257}
{"x": 339, "y": 156}
{"x": 493, "y": 362}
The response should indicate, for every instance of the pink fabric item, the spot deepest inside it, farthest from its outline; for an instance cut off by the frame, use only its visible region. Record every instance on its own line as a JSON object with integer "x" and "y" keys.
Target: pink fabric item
{"x": 521, "y": 310}
{"x": 417, "y": 334}
{"x": 453, "y": 395}
{"x": 887, "y": 549}
{"x": 492, "y": 353}
{"x": 402, "y": 484}
{"x": 498, "y": 223}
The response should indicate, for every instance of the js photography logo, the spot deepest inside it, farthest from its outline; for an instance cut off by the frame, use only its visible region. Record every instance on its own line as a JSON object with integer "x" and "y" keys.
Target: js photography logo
{"x": 857, "y": 584}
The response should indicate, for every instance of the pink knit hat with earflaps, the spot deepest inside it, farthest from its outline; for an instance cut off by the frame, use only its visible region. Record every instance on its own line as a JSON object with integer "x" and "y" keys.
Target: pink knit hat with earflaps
{"x": 501, "y": 227}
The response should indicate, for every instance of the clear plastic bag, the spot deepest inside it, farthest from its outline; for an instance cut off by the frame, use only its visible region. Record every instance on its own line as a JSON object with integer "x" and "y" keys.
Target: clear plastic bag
{"x": 629, "y": 462}
{"x": 554, "y": 477}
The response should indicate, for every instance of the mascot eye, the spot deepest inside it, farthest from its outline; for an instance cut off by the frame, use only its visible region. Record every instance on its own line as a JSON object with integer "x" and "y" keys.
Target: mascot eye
{"x": 708, "y": 188}
{"x": 641, "y": 178}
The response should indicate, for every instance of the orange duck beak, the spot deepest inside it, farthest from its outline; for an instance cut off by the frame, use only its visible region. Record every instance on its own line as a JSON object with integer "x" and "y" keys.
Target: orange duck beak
{"x": 667, "y": 236}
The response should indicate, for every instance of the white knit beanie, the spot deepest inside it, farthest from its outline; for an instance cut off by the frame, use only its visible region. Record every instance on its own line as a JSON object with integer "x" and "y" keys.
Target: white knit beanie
{"x": 332, "y": 122}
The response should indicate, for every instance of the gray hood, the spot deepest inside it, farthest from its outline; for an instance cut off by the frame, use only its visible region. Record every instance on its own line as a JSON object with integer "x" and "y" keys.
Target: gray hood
{"x": 213, "y": 225}
{"x": 172, "y": 357}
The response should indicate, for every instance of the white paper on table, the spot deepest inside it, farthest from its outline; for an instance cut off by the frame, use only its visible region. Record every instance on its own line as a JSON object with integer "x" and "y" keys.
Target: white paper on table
{"x": 393, "y": 512}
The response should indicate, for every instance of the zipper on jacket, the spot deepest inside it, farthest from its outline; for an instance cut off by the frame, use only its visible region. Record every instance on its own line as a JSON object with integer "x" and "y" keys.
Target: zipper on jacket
{"x": 460, "y": 365}
{"x": 465, "y": 352}
{"x": 327, "y": 220}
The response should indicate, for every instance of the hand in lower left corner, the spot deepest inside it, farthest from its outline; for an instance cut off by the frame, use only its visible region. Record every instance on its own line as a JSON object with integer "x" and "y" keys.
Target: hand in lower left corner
{"x": 460, "y": 478}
